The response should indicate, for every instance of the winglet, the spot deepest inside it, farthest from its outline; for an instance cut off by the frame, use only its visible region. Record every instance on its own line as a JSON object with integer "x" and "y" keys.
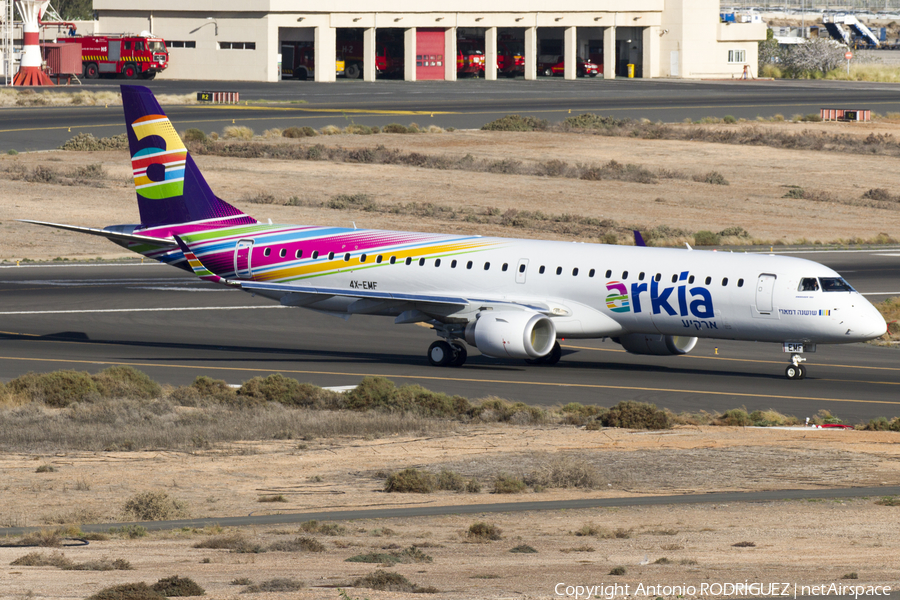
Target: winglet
{"x": 198, "y": 267}
{"x": 638, "y": 239}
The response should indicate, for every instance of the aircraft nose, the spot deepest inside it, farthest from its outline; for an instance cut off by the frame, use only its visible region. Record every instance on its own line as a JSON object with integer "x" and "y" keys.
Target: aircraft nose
{"x": 873, "y": 323}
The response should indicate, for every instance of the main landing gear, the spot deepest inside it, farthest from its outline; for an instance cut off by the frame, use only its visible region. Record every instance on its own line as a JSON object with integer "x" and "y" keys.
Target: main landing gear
{"x": 795, "y": 370}
{"x": 549, "y": 359}
{"x": 445, "y": 354}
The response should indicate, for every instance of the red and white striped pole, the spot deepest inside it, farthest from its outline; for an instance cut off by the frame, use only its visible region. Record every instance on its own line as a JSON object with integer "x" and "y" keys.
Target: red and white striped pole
{"x": 30, "y": 71}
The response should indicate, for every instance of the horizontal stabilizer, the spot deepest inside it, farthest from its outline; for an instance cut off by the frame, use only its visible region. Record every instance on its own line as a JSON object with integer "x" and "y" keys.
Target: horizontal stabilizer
{"x": 111, "y": 235}
{"x": 198, "y": 267}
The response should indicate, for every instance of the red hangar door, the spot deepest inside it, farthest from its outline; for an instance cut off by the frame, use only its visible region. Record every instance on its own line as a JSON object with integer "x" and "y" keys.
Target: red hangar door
{"x": 430, "y": 54}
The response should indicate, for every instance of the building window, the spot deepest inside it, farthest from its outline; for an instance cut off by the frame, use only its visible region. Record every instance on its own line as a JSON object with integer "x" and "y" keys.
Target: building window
{"x": 237, "y": 45}
{"x": 181, "y": 44}
{"x": 737, "y": 56}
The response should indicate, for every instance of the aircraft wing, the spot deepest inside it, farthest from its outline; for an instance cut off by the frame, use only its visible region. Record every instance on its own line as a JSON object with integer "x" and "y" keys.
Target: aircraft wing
{"x": 116, "y": 236}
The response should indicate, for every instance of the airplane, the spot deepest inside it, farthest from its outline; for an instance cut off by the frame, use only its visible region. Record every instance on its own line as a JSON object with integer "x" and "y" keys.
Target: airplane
{"x": 509, "y": 298}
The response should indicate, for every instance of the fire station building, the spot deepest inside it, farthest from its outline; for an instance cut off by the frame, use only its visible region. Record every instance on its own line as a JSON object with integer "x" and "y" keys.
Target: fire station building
{"x": 423, "y": 39}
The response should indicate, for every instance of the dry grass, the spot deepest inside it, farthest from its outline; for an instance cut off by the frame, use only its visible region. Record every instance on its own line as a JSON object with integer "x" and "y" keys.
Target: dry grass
{"x": 10, "y": 98}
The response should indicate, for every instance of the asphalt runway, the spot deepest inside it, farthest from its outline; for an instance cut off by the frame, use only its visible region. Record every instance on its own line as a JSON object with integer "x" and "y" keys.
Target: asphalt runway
{"x": 464, "y": 104}
{"x": 174, "y": 327}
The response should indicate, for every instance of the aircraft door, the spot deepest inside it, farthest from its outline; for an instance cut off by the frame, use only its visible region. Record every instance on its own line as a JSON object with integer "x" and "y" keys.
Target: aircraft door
{"x": 521, "y": 270}
{"x": 242, "y": 252}
{"x": 765, "y": 289}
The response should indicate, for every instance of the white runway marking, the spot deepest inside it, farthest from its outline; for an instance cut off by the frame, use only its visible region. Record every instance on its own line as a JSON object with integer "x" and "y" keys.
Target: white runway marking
{"x": 128, "y": 310}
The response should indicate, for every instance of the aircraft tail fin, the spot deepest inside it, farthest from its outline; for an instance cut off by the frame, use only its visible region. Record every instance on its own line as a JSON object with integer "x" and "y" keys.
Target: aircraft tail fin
{"x": 638, "y": 238}
{"x": 170, "y": 188}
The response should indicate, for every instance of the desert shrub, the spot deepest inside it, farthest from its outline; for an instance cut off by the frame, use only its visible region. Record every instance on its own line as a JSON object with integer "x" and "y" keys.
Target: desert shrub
{"x": 391, "y": 582}
{"x": 177, "y": 586}
{"x": 564, "y": 472}
{"x": 508, "y": 484}
{"x": 204, "y": 390}
{"x": 706, "y": 238}
{"x": 87, "y": 142}
{"x": 323, "y": 528}
{"x": 591, "y": 121}
{"x": 888, "y": 501}
{"x": 484, "y": 532}
{"x": 517, "y": 123}
{"x": 38, "y": 559}
{"x": 300, "y": 544}
{"x": 636, "y": 415}
{"x": 409, "y": 555}
{"x": 234, "y": 542}
{"x": 272, "y": 498}
{"x": 154, "y": 506}
{"x": 358, "y": 129}
{"x": 92, "y": 174}
{"x": 713, "y": 177}
{"x": 298, "y": 132}
{"x": 394, "y": 128}
{"x": 771, "y": 418}
{"x": 194, "y": 135}
{"x": 451, "y": 480}
{"x": 237, "y": 132}
{"x": 744, "y": 545}
{"x": 411, "y": 481}
{"x": 523, "y": 549}
{"x": 473, "y": 486}
{"x": 126, "y": 382}
{"x": 496, "y": 409}
{"x": 45, "y": 469}
{"x": 129, "y": 531}
{"x": 734, "y": 232}
{"x": 353, "y": 201}
{"x": 591, "y": 530}
{"x": 618, "y": 571}
{"x": 103, "y": 564}
{"x": 729, "y": 119}
{"x": 882, "y": 424}
{"x": 279, "y": 584}
{"x": 128, "y": 591}
{"x": 57, "y": 389}
{"x": 278, "y": 388}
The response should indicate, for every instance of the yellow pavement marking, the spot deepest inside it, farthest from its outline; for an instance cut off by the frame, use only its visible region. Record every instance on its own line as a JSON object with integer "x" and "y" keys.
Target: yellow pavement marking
{"x": 372, "y": 111}
{"x": 458, "y": 379}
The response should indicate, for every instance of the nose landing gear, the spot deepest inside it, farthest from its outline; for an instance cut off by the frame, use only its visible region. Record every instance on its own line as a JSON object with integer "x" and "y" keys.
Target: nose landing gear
{"x": 795, "y": 370}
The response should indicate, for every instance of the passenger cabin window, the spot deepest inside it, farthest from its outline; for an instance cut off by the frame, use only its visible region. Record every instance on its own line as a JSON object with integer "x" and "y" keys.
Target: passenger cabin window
{"x": 421, "y": 262}
{"x": 559, "y": 270}
{"x": 658, "y": 276}
{"x": 608, "y": 274}
{"x": 283, "y": 252}
{"x": 267, "y": 251}
{"x": 708, "y": 280}
{"x": 347, "y": 257}
{"x": 724, "y": 281}
{"x": 541, "y": 270}
{"x": 522, "y": 268}
{"x": 575, "y": 272}
{"x": 331, "y": 256}
{"x": 487, "y": 266}
{"x": 408, "y": 260}
{"x": 740, "y": 283}
{"x": 393, "y": 259}
{"x": 591, "y": 273}
{"x": 453, "y": 264}
{"x": 362, "y": 258}
{"x": 505, "y": 267}
{"x": 378, "y": 259}
{"x": 835, "y": 284}
{"x": 674, "y": 278}
{"x": 315, "y": 254}
{"x": 298, "y": 254}
{"x": 437, "y": 262}
{"x": 469, "y": 265}
{"x": 624, "y": 275}
{"x": 691, "y": 279}
{"x": 809, "y": 284}
{"x": 641, "y": 276}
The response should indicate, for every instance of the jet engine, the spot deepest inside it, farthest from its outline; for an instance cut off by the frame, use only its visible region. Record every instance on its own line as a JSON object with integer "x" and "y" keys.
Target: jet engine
{"x": 658, "y": 345}
{"x": 512, "y": 334}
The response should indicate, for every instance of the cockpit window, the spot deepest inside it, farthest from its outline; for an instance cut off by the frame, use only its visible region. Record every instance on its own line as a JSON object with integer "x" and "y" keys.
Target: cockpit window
{"x": 835, "y": 284}
{"x": 809, "y": 284}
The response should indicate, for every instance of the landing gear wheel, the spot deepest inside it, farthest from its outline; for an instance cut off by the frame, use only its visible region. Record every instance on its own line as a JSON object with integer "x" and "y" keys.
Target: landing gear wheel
{"x": 460, "y": 354}
{"x": 440, "y": 353}
{"x": 549, "y": 359}
{"x": 553, "y": 357}
{"x": 795, "y": 372}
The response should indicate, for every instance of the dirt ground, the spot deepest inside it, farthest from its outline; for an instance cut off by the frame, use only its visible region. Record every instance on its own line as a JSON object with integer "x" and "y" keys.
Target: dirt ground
{"x": 795, "y": 542}
{"x": 759, "y": 179}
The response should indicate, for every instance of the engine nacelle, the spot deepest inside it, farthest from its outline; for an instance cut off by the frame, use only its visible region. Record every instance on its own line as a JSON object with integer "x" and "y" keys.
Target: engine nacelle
{"x": 512, "y": 334}
{"x": 658, "y": 345}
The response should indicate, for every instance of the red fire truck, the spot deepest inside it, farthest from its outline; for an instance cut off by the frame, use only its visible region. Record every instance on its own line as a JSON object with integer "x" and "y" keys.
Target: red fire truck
{"x": 298, "y": 61}
{"x": 388, "y": 58}
{"x": 469, "y": 57}
{"x": 128, "y": 55}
